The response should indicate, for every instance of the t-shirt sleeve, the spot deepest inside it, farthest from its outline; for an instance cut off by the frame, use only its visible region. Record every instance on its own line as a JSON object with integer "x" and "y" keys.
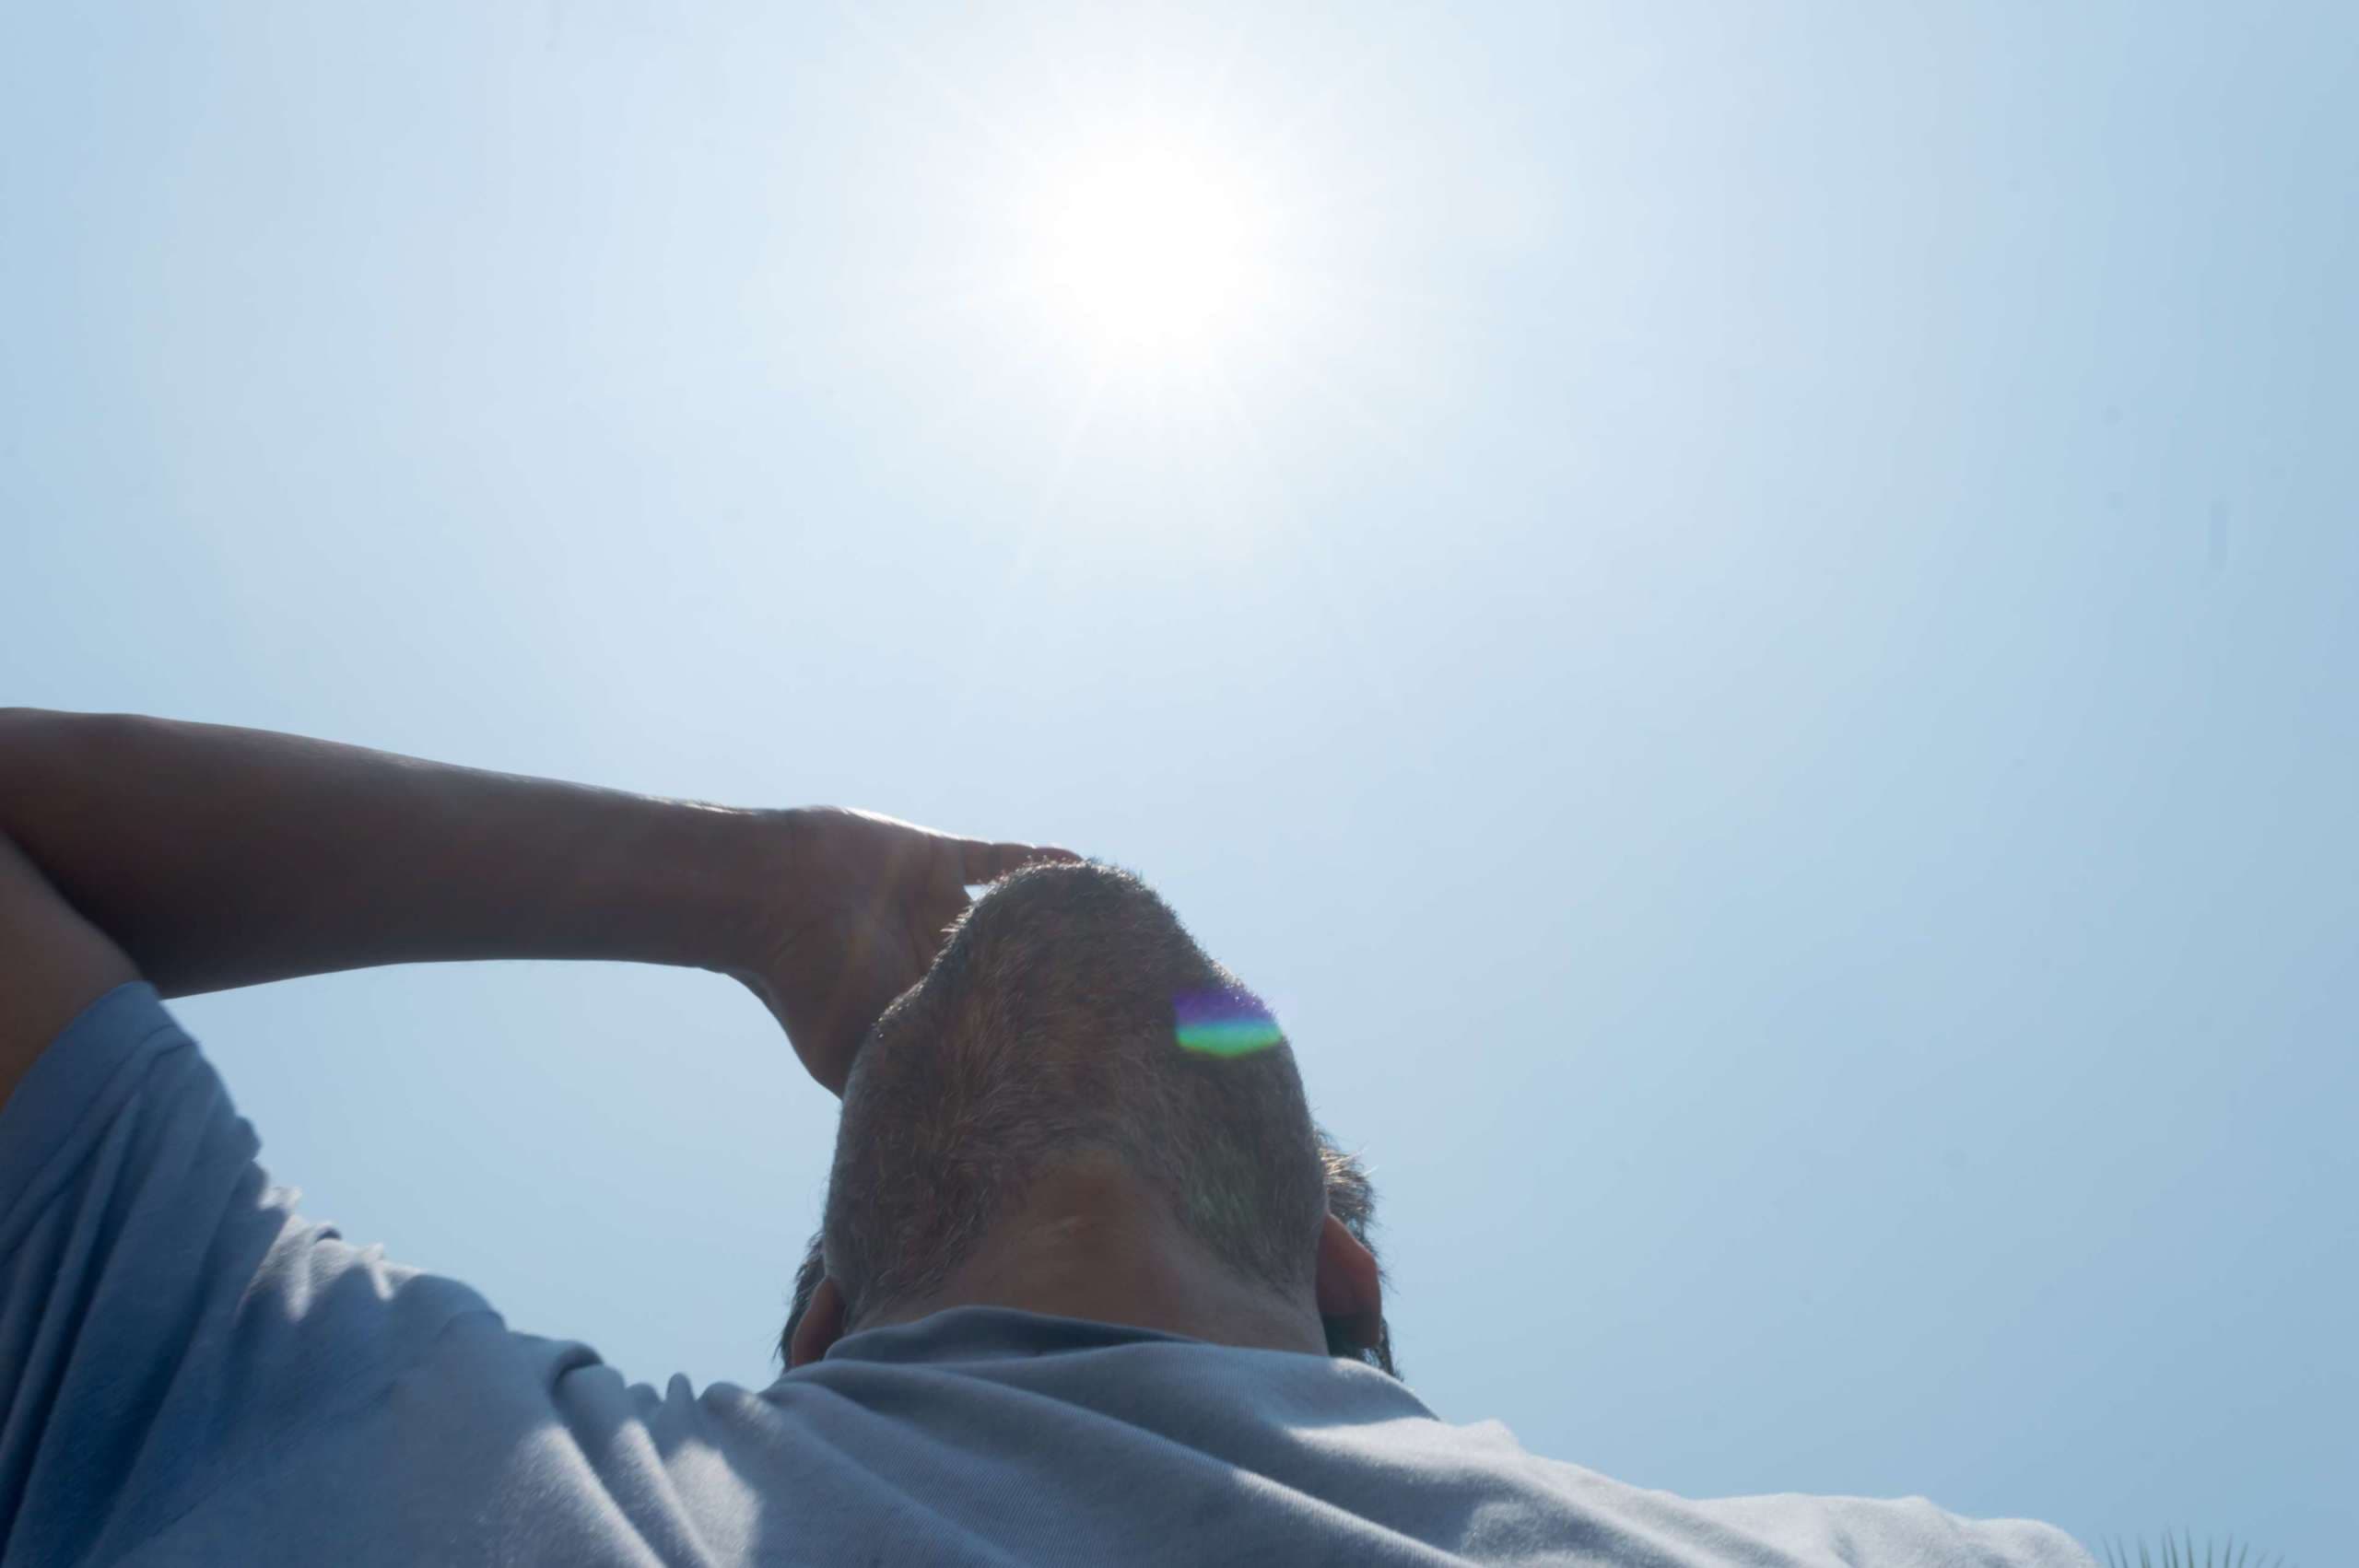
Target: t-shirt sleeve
{"x": 165, "y": 1317}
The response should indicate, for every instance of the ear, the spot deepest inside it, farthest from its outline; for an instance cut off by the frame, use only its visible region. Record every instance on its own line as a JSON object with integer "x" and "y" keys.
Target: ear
{"x": 1349, "y": 1290}
{"x": 822, "y": 1325}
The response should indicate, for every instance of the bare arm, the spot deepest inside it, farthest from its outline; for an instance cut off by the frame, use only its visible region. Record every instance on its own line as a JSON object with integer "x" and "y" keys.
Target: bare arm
{"x": 218, "y": 857}
{"x": 53, "y": 964}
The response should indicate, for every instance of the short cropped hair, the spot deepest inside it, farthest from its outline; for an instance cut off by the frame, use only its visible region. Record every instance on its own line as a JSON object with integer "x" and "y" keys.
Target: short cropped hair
{"x": 1052, "y": 1023}
{"x": 1351, "y": 1198}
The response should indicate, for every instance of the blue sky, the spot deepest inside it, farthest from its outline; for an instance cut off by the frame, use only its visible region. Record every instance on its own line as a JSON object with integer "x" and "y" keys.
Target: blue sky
{"x": 1751, "y": 635}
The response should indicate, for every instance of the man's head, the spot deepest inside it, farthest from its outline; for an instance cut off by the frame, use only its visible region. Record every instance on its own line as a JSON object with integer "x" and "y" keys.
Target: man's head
{"x": 1070, "y": 1024}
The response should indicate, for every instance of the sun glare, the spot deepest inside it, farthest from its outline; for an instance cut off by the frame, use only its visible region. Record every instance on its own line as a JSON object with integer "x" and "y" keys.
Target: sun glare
{"x": 1152, "y": 250}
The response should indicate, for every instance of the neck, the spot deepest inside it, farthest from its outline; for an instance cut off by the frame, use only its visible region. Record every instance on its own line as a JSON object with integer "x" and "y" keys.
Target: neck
{"x": 1091, "y": 1241}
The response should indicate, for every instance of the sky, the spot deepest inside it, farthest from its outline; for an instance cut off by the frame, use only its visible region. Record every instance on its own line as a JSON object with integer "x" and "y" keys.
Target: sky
{"x": 1745, "y": 616}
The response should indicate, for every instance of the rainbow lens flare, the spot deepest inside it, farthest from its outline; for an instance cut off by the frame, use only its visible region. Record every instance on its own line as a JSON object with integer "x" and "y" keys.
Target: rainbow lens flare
{"x": 1223, "y": 1024}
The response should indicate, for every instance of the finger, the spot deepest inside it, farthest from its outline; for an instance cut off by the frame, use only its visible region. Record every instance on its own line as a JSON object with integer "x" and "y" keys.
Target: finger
{"x": 981, "y": 861}
{"x": 874, "y": 973}
{"x": 933, "y": 923}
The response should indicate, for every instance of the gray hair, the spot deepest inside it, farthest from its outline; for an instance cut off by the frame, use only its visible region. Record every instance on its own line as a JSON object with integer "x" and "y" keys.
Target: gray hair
{"x": 1053, "y": 1021}
{"x": 1351, "y": 1198}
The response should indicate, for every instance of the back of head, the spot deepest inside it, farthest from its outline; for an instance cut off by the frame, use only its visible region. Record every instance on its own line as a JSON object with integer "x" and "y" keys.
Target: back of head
{"x": 1069, "y": 1013}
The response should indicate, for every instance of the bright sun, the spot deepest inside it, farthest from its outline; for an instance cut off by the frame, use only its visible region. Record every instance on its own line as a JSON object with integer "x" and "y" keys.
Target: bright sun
{"x": 1153, "y": 249}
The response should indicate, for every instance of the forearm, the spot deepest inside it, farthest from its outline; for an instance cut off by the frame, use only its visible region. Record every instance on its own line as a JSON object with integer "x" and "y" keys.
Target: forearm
{"x": 219, "y": 857}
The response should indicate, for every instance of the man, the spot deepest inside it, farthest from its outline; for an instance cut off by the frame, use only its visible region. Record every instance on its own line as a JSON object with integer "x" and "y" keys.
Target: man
{"x": 1092, "y": 1287}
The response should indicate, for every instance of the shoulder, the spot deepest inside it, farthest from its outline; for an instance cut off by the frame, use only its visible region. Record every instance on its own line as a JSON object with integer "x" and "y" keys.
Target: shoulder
{"x": 1907, "y": 1530}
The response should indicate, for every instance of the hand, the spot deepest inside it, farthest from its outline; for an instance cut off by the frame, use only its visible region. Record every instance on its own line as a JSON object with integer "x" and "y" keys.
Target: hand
{"x": 862, "y": 907}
